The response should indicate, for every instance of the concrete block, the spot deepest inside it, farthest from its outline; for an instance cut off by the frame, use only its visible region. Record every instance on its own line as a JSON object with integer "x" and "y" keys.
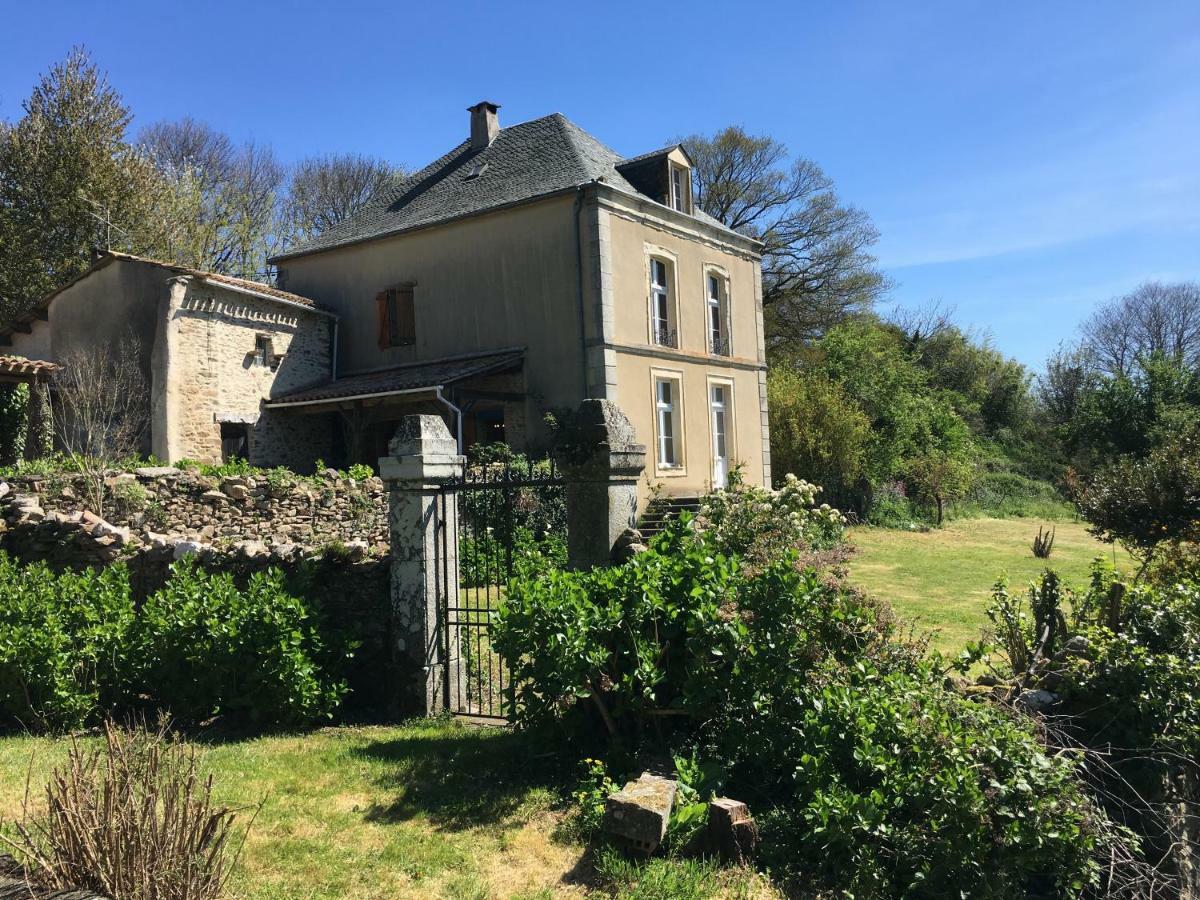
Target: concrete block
{"x": 638, "y": 814}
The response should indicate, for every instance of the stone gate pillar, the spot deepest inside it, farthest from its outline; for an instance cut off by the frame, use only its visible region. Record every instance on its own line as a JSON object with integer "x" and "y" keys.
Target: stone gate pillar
{"x": 601, "y": 463}
{"x": 422, "y": 458}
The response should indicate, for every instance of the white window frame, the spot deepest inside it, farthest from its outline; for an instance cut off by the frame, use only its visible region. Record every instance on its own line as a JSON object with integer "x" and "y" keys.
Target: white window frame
{"x": 679, "y": 187}
{"x": 672, "y": 413}
{"x": 668, "y": 293}
{"x": 727, "y": 385}
{"x": 725, "y": 317}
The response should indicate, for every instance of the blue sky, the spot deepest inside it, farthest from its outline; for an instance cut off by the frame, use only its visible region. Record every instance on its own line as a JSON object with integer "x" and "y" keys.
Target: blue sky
{"x": 1023, "y": 161}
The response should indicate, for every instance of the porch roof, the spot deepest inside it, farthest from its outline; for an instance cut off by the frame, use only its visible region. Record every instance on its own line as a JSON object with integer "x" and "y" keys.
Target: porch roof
{"x": 17, "y": 368}
{"x": 411, "y": 378}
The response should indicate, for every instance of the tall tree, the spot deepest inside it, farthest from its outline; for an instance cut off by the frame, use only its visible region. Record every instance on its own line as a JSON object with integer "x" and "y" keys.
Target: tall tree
{"x": 69, "y": 183}
{"x": 1155, "y": 318}
{"x": 227, "y": 196}
{"x": 327, "y": 190}
{"x": 817, "y": 268}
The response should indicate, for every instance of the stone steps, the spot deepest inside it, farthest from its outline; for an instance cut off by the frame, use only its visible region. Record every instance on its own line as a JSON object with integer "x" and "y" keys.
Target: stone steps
{"x": 663, "y": 510}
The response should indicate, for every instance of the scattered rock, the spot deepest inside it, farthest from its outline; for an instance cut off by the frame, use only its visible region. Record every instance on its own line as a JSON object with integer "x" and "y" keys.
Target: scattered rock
{"x": 629, "y": 544}
{"x": 1036, "y": 700}
{"x": 1077, "y": 646}
{"x": 5, "y": 490}
{"x": 357, "y": 550}
{"x": 732, "y": 833}
{"x": 638, "y": 814}
{"x": 213, "y": 496}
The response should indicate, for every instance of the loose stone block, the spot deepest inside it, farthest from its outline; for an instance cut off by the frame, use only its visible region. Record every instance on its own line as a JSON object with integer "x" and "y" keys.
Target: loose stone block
{"x": 732, "y": 833}
{"x": 639, "y": 813}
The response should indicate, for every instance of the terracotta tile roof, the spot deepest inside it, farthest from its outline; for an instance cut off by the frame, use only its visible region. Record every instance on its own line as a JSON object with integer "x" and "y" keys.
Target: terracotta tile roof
{"x": 19, "y": 367}
{"x": 38, "y": 310}
{"x": 257, "y": 286}
{"x": 408, "y": 378}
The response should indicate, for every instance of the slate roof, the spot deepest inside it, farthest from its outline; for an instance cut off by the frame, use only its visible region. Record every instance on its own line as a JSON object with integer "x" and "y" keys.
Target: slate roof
{"x": 416, "y": 376}
{"x": 525, "y": 161}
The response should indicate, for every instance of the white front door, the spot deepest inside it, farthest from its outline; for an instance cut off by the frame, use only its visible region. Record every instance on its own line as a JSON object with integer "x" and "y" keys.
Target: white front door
{"x": 719, "y": 402}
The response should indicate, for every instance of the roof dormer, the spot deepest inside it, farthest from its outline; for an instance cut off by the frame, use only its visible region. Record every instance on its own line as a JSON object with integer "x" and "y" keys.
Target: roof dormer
{"x": 664, "y": 175}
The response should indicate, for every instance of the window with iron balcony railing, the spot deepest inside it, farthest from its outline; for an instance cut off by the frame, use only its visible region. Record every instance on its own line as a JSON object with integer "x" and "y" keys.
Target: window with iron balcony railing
{"x": 719, "y": 346}
{"x": 666, "y": 337}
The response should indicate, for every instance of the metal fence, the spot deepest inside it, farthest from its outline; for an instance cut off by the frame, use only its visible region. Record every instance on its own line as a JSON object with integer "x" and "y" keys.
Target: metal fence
{"x": 510, "y": 514}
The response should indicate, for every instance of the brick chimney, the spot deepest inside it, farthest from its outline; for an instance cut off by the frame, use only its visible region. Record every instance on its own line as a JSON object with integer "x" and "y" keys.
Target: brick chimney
{"x": 485, "y": 124}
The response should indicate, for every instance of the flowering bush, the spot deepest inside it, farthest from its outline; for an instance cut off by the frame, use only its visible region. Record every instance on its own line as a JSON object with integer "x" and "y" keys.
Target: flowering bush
{"x": 760, "y": 524}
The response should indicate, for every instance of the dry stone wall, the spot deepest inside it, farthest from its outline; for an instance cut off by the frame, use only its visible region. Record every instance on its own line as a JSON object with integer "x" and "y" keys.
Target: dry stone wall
{"x": 150, "y": 506}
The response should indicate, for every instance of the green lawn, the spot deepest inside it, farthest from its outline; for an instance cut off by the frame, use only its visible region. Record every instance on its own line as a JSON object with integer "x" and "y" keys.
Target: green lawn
{"x": 941, "y": 579}
{"x": 423, "y": 809}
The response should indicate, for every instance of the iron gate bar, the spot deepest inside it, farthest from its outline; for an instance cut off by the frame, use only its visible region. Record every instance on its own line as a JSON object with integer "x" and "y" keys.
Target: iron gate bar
{"x": 479, "y": 675}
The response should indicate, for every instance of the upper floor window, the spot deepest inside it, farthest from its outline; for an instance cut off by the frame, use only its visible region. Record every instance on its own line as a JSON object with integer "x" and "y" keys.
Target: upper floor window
{"x": 264, "y": 351}
{"x": 662, "y": 313}
{"x": 717, "y": 314}
{"x": 681, "y": 188}
{"x": 397, "y": 317}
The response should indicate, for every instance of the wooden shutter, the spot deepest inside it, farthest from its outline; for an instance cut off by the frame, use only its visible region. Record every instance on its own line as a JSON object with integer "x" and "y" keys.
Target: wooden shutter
{"x": 382, "y": 310}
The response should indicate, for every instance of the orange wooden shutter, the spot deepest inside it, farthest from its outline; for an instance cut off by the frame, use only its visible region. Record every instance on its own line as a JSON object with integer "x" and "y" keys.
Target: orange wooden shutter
{"x": 382, "y": 308}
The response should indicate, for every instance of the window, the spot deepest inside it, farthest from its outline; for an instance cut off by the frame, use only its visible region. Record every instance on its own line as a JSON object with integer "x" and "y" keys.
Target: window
{"x": 397, "y": 317}
{"x": 681, "y": 186}
{"x": 717, "y": 315}
{"x": 235, "y": 441}
{"x": 719, "y": 408}
{"x": 666, "y": 396}
{"x": 662, "y": 325}
{"x": 264, "y": 351}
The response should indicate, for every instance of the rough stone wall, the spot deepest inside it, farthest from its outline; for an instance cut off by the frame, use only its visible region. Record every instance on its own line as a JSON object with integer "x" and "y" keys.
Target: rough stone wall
{"x": 219, "y": 379}
{"x": 348, "y": 588}
{"x": 155, "y": 502}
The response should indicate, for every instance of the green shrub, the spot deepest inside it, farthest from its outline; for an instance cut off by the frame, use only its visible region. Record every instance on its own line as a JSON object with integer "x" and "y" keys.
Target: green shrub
{"x": 205, "y": 647}
{"x": 891, "y": 786}
{"x": 760, "y": 524}
{"x": 14, "y": 420}
{"x": 64, "y": 643}
{"x": 871, "y": 777}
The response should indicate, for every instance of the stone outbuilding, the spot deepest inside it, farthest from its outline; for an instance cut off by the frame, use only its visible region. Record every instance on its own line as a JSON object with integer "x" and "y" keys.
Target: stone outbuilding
{"x": 212, "y": 350}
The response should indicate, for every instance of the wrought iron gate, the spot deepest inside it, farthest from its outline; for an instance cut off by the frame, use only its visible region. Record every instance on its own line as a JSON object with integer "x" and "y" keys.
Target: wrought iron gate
{"x": 507, "y": 513}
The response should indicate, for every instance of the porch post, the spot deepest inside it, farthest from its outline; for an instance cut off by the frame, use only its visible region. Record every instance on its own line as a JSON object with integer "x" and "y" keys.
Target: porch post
{"x": 422, "y": 458}
{"x": 601, "y": 463}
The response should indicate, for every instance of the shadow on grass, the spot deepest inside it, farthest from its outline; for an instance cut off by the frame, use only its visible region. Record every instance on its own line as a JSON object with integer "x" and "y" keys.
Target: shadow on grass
{"x": 460, "y": 776}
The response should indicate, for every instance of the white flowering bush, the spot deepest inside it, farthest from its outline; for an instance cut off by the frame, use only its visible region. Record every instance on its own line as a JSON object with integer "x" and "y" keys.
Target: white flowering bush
{"x": 759, "y": 524}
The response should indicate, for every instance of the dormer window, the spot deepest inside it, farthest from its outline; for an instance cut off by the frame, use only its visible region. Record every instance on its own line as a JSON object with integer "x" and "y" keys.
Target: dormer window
{"x": 681, "y": 188}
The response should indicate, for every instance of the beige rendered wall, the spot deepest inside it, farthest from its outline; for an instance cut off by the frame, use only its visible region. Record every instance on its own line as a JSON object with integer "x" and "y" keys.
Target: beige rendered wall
{"x": 506, "y": 279}
{"x": 210, "y": 375}
{"x": 633, "y": 238}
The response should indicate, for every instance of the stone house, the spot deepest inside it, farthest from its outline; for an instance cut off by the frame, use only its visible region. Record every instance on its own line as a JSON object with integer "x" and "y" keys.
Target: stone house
{"x": 526, "y": 269}
{"x": 210, "y": 348}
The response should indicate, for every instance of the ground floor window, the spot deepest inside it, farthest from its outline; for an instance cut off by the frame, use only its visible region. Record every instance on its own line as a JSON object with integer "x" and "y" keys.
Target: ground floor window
{"x": 235, "y": 441}
{"x": 720, "y": 408}
{"x": 667, "y": 405}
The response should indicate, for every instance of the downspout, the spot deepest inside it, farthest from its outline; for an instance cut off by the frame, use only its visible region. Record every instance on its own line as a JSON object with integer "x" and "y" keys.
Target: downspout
{"x": 579, "y": 282}
{"x": 458, "y": 416}
{"x": 333, "y": 356}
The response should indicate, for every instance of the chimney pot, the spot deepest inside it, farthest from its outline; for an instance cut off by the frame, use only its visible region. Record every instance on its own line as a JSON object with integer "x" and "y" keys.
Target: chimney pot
{"x": 485, "y": 124}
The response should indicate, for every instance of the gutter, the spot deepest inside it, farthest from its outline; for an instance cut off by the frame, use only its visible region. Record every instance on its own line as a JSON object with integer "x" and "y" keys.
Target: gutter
{"x": 279, "y": 404}
{"x": 458, "y": 416}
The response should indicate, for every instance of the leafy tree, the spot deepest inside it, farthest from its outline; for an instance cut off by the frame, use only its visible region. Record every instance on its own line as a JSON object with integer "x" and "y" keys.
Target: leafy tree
{"x": 817, "y": 268}
{"x": 1149, "y": 502}
{"x": 327, "y": 190}
{"x": 227, "y": 196}
{"x": 1070, "y": 375}
{"x": 1155, "y": 319}
{"x": 1130, "y": 414}
{"x": 69, "y": 183}
{"x": 941, "y": 476}
{"x": 818, "y": 431}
